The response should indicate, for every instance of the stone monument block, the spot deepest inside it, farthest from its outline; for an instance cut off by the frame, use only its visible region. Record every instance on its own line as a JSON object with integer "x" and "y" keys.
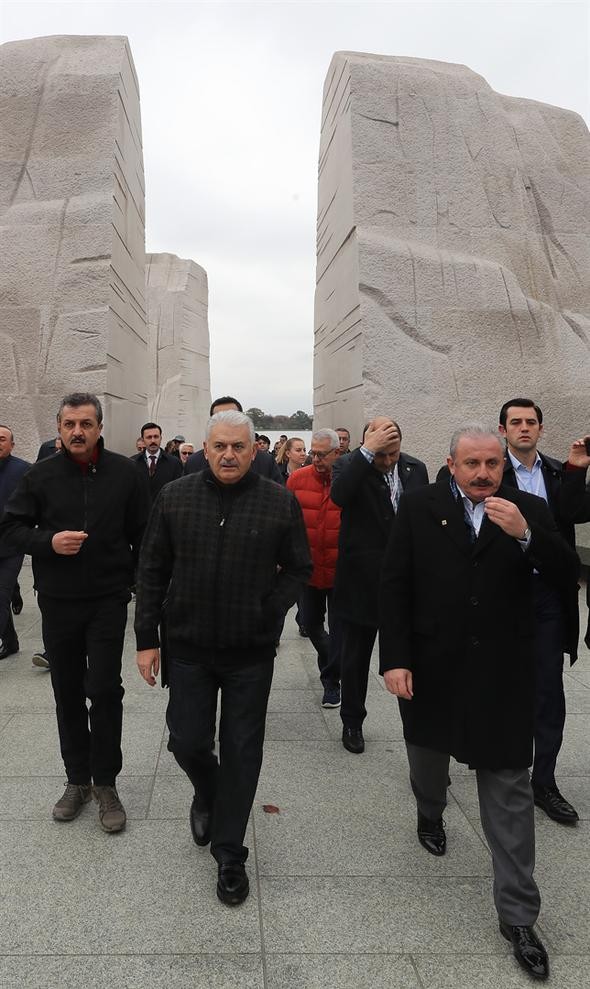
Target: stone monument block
{"x": 179, "y": 391}
{"x": 453, "y": 253}
{"x": 72, "y": 283}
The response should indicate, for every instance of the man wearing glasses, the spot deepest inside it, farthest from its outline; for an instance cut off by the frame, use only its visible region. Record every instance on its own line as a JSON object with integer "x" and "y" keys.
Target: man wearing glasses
{"x": 311, "y": 487}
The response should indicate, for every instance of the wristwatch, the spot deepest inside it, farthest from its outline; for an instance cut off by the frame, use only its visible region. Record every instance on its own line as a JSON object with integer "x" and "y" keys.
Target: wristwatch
{"x": 525, "y": 536}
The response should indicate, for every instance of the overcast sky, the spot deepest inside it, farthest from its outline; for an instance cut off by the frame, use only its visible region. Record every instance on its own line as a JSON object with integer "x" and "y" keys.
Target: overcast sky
{"x": 231, "y": 96}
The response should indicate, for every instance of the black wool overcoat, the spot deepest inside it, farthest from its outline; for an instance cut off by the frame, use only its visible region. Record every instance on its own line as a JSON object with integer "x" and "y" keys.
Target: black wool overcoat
{"x": 460, "y": 616}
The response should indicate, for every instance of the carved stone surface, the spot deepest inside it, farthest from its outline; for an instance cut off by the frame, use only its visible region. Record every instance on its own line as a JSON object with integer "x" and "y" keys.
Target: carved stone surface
{"x": 179, "y": 391}
{"x": 453, "y": 253}
{"x": 72, "y": 280}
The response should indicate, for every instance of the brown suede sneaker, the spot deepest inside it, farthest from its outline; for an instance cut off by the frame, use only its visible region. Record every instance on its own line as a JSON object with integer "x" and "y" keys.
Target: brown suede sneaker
{"x": 111, "y": 812}
{"x": 69, "y": 806}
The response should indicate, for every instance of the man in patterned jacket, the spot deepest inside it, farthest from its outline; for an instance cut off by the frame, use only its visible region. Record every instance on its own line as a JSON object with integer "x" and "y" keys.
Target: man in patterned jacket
{"x": 228, "y": 551}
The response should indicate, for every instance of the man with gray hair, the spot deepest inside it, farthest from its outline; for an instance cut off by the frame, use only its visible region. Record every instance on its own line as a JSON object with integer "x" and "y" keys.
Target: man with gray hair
{"x": 225, "y": 555}
{"x": 456, "y": 648}
{"x": 311, "y": 487}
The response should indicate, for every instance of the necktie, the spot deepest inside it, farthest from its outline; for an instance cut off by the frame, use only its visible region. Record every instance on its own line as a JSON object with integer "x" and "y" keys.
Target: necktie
{"x": 152, "y": 467}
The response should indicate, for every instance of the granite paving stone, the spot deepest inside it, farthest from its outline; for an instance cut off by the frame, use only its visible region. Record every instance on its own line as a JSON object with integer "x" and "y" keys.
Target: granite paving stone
{"x": 342, "y": 895}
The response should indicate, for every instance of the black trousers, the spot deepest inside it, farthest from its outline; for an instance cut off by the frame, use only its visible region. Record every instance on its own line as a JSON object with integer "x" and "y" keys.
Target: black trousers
{"x": 9, "y": 571}
{"x": 355, "y": 659}
{"x": 226, "y": 787}
{"x": 549, "y": 694}
{"x": 84, "y": 640}
{"x": 316, "y": 601}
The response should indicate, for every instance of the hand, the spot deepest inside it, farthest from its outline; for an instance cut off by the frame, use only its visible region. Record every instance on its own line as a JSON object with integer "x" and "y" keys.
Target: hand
{"x": 148, "y": 664}
{"x": 400, "y": 683}
{"x": 505, "y": 514}
{"x": 378, "y": 438}
{"x": 67, "y": 542}
{"x": 577, "y": 456}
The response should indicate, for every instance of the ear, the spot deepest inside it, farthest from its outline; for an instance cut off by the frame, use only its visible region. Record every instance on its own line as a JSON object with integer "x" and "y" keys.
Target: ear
{"x": 501, "y": 429}
{"x": 451, "y": 465}
{"x": 541, "y": 429}
{"x": 205, "y": 450}
{"x": 254, "y": 450}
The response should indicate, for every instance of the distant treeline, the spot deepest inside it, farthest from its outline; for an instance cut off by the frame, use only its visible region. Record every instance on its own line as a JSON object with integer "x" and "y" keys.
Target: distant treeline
{"x": 261, "y": 420}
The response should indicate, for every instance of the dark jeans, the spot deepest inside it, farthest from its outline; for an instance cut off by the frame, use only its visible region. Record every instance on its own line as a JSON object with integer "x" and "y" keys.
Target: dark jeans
{"x": 226, "y": 787}
{"x": 549, "y": 695}
{"x": 84, "y": 639}
{"x": 9, "y": 571}
{"x": 357, "y": 646}
{"x": 316, "y": 602}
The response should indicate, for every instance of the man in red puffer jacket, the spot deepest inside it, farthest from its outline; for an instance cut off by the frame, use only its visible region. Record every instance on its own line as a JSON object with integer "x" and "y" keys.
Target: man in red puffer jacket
{"x": 311, "y": 487}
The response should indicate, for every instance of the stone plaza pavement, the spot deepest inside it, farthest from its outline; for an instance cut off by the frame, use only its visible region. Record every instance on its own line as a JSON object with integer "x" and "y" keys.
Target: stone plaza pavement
{"x": 342, "y": 895}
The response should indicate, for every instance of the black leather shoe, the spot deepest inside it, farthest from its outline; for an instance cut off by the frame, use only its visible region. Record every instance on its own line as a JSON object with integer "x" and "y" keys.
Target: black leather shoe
{"x": 352, "y": 740}
{"x": 431, "y": 835}
{"x": 200, "y": 824}
{"x": 528, "y": 950}
{"x": 232, "y": 883}
{"x": 549, "y": 799}
{"x": 8, "y": 648}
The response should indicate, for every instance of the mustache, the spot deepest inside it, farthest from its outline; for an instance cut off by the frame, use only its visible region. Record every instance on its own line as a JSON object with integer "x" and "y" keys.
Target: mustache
{"x": 481, "y": 484}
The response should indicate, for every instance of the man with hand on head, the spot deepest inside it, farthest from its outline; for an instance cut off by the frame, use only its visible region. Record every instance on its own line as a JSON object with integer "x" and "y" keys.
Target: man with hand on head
{"x": 456, "y": 648}
{"x": 235, "y": 543}
{"x": 81, "y": 516}
{"x": 367, "y": 484}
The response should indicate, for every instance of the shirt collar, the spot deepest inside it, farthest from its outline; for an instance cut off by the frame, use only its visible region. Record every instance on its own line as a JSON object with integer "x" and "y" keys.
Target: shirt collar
{"x": 520, "y": 466}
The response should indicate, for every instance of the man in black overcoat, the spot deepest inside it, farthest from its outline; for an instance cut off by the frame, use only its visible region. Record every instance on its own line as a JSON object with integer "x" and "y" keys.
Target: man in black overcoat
{"x": 367, "y": 484}
{"x": 456, "y": 647}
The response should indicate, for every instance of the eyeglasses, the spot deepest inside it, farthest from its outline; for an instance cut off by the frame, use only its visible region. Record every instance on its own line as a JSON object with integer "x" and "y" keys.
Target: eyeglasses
{"x": 319, "y": 455}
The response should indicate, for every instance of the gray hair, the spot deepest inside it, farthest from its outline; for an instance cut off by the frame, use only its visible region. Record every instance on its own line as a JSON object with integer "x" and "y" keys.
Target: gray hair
{"x": 473, "y": 431}
{"x": 230, "y": 418}
{"x": 327, "y": 434}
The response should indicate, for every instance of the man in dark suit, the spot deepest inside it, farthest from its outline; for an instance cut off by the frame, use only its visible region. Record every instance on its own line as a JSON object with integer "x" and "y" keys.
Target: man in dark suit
{"x": 456, "y": 646}
{"x": 157, "y": 467}
{"x": 263, "y": 464}
{"x": 521, "y": 423}
{"x": 367, "y": 485}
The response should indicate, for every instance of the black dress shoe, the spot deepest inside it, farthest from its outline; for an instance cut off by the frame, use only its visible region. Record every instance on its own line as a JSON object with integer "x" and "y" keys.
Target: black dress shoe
{"x": 528, "y": 950}
{"x": 200, "y": 823}
{"x": 431, "y": 835}
{"x": 8, "y": 648}
{"x": 352, "y": 740}
{"x": 549, "y": 799}
{"x": 232, "y": 883}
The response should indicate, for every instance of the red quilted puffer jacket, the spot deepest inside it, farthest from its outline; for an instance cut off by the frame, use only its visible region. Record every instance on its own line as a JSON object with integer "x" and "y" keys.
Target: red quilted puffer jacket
{"x": 322, "y": 522}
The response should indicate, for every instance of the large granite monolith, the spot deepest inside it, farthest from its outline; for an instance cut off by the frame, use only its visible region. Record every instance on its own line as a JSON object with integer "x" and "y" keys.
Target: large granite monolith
{"x": 179, "y": 390}
{"x": 453, "y": 253}
{"x": 72, "y": 281}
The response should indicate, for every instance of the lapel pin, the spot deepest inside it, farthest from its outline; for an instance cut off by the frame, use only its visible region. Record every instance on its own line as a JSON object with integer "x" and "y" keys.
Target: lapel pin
{"x": 444, "y": 522}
